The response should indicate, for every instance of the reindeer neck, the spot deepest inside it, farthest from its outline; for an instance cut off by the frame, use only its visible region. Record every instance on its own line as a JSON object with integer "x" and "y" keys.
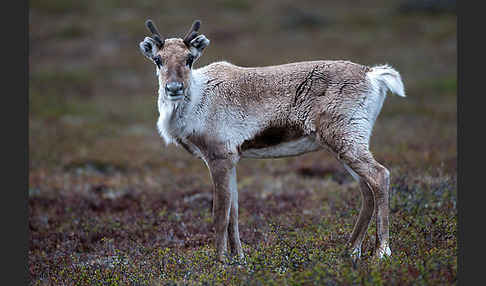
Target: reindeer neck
{"x": 181, "y": 118}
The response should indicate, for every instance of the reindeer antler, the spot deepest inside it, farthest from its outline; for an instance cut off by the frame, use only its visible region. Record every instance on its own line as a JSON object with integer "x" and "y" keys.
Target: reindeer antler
{"x": 192, "y": 33}
{"x": 155, "y": 33}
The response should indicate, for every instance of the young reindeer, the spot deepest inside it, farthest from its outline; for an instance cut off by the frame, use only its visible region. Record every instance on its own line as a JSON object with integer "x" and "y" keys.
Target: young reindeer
{"x": 222, "y": 112}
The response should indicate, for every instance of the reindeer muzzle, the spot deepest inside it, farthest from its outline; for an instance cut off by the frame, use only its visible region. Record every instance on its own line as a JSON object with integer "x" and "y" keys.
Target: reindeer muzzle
{"x": 174, "y": 90}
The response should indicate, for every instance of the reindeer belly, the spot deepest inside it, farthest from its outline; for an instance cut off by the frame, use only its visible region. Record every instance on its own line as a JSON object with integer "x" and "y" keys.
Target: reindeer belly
{"x": 284, "y": 149}
{"x": 275, "y": 142}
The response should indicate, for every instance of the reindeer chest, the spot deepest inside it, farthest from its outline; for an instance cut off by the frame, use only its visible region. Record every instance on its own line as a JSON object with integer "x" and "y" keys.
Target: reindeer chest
{"x": 175, "y": 127}
{"x": 171, "y": 123}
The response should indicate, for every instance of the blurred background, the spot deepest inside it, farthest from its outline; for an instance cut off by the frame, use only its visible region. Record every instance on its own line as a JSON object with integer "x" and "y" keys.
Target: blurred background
{"x": 91, "y": 92}
{"x": 92, "y": 101}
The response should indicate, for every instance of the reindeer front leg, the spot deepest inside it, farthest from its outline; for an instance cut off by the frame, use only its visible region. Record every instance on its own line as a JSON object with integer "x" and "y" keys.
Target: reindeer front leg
{"x": 233, "y": 232}
{"x": 223, "y": 175}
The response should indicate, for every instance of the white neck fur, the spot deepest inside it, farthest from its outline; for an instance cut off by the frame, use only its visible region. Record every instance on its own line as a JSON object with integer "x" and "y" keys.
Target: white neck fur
{"x": 178, "y": 119}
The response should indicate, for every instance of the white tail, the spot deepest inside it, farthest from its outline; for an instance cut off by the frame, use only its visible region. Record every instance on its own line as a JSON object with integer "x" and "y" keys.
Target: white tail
{"x": 388, "y": 78}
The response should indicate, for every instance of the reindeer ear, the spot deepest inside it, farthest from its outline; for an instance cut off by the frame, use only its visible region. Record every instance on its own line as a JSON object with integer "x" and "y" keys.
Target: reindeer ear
{"x": 149, "y": 48}
{"x": 195, "y": 42}
{"x": 198, "y": 44}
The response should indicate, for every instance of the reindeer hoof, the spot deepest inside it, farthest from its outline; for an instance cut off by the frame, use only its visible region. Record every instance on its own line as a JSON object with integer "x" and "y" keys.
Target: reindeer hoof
{"x": 355, "y": 256}
{"x": 356, "y": 253}
{"x": 382, "y": 252}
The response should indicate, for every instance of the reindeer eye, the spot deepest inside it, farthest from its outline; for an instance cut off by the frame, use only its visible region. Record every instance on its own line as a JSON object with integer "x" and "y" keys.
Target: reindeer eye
{"x": 190, "y": 60}
{"x": 158, "y": 61}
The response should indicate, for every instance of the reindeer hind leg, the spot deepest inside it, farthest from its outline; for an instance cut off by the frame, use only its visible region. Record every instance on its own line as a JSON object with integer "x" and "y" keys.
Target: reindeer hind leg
{"x": 364, "y": 217}
{"x": 375, "y": 181}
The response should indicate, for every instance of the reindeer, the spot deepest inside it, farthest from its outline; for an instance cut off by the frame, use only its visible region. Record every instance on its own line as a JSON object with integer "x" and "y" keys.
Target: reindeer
{"x": 222, "y": 112}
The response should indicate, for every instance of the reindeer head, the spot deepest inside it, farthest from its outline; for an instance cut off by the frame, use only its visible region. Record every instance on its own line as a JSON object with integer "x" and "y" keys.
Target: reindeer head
{"x": 173, "y": 58}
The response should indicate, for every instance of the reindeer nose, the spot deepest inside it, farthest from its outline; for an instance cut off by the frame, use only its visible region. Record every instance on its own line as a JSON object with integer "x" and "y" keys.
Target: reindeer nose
{"x": 174, "y": 88}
